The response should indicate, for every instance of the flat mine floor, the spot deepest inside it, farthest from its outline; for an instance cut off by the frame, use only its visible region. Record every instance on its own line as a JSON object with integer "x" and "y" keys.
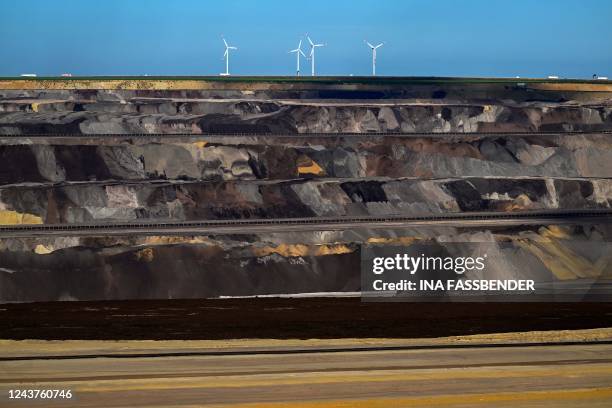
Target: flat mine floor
{"x": 283, "y": 318}
{"x": 546, "y": 375}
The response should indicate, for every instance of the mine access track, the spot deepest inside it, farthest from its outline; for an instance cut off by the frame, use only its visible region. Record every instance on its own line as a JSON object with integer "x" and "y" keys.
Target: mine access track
{"x": 298, "y": 135}
{"x": 475, "y": 219}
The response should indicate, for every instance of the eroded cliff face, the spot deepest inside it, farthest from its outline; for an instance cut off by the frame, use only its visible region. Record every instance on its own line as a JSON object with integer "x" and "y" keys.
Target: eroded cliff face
{"x": 26, "y": 115}
{"x": 104, "y": 202}
{"x": 168, "y": 267}
{"x": 118, "y": 179}
{"x": 292, "y": 158}
{"x": 34, "y": 160}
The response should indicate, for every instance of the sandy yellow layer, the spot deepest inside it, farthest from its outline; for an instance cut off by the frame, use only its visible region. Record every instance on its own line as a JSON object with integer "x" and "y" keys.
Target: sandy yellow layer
{"x": 63, "y": 347}
{"x": 8, "y": 217}
{"x": 250, "y": 84}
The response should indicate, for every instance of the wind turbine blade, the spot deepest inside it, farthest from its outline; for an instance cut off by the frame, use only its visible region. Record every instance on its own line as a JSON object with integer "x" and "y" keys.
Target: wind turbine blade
{"x": 302, "y": 52}
{"x": 225, "y": 53}
{"x": 310, "y": 41}
{"x": 379, "y": 45}
{"x": 224, "y": 42}
{"x": 319, "y": 45}
{"x": 300, "y": 44}
{"x": 232, "y": 48}
{"x": 295, "y": 50}
{"x": 369, "y": 45}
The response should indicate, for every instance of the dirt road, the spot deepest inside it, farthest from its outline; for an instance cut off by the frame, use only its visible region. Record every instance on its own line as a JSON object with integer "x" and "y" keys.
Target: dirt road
{"x": 478, "y": 375}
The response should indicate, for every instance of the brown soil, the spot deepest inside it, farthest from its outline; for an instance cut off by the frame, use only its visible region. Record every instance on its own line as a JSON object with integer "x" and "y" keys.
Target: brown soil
{"x": 288, "y": 318}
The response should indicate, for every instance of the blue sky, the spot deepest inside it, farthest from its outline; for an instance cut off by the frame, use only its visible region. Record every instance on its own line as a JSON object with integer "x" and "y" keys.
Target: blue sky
{"x": 570, "y": 38}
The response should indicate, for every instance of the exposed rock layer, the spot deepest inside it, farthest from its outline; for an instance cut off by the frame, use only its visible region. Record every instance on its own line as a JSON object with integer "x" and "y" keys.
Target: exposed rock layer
{"x": 28, "y": 160}
{"x": 280, "y": 168}
{"x": 104, "y": 202}
{"x": 89, "y": 268}
{"x": 159, "y": 115}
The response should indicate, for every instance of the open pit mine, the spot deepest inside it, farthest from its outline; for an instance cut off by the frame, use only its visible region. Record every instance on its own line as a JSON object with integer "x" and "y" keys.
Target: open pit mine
{"x": 83, "y": 159}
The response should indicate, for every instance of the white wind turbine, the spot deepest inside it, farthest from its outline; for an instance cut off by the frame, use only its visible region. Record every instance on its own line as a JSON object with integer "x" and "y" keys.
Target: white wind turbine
{"x": 226, "y": 56}
{"x": 298, "y": 51}
{"x": 374, "y": 48}
{"x": 312, "y": 54}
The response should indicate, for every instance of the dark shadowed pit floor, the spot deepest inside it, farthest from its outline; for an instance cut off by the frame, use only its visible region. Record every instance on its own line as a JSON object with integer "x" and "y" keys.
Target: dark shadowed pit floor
{"x": 288, "y": 318}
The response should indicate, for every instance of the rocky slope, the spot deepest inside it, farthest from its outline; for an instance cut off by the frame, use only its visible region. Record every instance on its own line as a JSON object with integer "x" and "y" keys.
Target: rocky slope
{"x": 105, "y": 202}
{"x": 44, "y": 160}
{"x": 26, "y": 115}
{"x": 280, "y": 165}
{"x": 169, "y": 267}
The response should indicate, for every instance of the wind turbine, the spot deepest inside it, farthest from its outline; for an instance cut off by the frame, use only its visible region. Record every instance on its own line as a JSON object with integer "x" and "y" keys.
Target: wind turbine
{"x": 226, "y": 56}
{"x": 312, "y": 54}
{"x": 374, "y": 48}
{"x": 298, "y": 51}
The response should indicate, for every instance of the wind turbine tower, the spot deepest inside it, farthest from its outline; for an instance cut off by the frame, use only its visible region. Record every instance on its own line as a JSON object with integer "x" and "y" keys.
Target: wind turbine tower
{"x": 226, "y": 56}
{"x": 312, "y": 54}
{"x": 298, "y": 51}
{"x": 374, "y": 48}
